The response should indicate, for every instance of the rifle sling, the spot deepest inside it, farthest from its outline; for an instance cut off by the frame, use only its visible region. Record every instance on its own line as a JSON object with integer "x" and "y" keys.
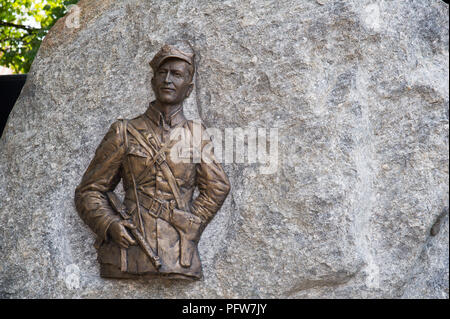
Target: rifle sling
{"x": 141, "y": 226}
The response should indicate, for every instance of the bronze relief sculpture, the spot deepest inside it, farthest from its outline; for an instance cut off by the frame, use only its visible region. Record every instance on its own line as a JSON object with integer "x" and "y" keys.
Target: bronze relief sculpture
{"x": 156, "y": 229}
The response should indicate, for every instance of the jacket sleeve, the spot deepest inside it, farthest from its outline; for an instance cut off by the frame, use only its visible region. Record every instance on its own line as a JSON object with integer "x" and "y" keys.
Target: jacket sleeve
{"x": 102, "y": 175}
{"x": 212, "y": 183}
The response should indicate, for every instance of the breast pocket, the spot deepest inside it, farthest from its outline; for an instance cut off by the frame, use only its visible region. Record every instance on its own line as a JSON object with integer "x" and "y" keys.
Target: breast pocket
{"x": 139, "y": 158}
{"x": 185, "y": 152}
{"x": 139, "y": 151}
{"x": 179, "y": 154}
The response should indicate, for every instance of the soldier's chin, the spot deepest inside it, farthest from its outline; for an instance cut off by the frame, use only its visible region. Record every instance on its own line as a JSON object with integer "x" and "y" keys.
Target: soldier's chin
{"x": 167, "y": 98}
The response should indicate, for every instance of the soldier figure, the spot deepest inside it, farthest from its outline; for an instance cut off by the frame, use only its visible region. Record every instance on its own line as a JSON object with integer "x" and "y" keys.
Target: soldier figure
{"x": 156, "y": 229}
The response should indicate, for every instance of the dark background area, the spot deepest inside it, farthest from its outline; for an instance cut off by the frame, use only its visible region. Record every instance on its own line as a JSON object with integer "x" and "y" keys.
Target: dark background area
{"x": 10, "y": 87}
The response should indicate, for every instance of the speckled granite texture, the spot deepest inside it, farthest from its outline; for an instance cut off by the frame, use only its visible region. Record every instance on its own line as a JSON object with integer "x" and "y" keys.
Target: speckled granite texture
{"x": 358, "y": 90}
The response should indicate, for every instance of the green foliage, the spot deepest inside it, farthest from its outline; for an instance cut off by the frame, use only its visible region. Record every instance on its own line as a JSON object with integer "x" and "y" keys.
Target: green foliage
{"x": 23, "y": 25}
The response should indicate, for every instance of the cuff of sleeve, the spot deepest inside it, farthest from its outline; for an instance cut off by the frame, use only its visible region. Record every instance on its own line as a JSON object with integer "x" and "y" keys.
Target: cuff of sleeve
{"x": 104, "y": 231}
{"x": 196, "y": 213}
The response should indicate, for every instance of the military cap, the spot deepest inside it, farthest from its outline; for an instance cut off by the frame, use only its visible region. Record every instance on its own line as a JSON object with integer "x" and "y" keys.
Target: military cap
{"x": 169, "y": 51}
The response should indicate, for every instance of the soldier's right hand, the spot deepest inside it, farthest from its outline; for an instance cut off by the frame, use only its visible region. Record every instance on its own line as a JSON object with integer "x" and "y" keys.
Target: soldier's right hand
{"x": 120, "y": 235}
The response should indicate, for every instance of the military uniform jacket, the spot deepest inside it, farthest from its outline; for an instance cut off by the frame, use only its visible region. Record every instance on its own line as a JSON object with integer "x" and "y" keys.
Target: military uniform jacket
{"x": 121, "y": 156}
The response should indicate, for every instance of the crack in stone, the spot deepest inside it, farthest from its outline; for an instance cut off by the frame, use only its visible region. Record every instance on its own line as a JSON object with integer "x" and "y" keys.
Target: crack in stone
{"x": 437, "y": 224}
{"x": 422, "y": 256}
{"x": 339, "y": 278}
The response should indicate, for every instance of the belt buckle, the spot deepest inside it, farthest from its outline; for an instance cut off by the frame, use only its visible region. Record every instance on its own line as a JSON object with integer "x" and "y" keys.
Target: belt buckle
{"x": 155, "y": 212}
{"x": 160, "y": 158}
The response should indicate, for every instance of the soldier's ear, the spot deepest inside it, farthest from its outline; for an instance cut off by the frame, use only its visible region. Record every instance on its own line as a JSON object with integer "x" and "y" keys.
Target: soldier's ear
{"x": 153, "y": 83}
{"x": 189, "y": 90}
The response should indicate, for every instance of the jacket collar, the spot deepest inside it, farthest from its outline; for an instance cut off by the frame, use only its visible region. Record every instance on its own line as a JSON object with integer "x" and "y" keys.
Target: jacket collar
{"x": 175, "y": 117}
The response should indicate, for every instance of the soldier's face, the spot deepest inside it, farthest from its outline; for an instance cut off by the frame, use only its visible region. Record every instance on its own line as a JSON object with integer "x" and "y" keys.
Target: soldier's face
{"x": 172, "y": 82}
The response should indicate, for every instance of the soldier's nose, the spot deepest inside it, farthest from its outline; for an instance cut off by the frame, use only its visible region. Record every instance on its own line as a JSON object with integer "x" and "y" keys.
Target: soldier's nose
{"x": 167, "y": 79}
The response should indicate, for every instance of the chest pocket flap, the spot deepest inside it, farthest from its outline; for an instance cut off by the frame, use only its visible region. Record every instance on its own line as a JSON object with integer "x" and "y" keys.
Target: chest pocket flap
{"x": 137, "y": 150}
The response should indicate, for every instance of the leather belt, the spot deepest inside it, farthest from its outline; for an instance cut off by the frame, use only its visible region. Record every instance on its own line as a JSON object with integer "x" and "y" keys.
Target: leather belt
{"x": 156, "y": 207}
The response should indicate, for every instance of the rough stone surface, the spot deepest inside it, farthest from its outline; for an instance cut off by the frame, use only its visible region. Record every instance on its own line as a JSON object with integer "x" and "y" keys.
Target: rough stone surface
{"x": 358, "y": 90}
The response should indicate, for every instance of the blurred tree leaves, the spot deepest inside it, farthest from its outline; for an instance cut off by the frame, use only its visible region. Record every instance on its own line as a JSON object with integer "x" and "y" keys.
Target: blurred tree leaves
{"x": 23, "y": 25}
